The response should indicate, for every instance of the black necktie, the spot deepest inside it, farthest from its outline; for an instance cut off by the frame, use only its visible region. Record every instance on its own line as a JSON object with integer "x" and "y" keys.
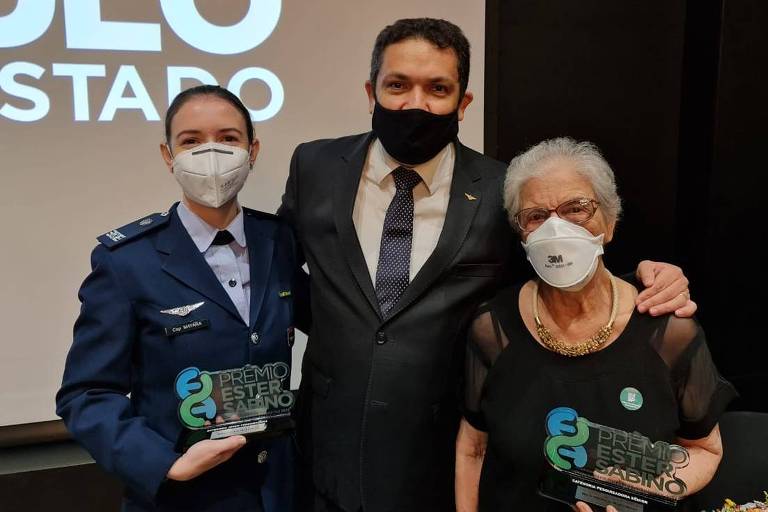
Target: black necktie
{"x": 393, "y": 269}
{"x": 222, "y": 238}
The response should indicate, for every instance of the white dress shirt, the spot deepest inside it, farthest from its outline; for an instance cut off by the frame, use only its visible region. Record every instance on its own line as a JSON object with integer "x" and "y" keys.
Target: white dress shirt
{"x": 229, "y": 262}
{"x": 430, "y": 203}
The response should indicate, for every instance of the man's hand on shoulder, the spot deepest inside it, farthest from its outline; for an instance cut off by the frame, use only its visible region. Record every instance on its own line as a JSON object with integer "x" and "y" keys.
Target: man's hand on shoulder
{"x": 666, "y": 290}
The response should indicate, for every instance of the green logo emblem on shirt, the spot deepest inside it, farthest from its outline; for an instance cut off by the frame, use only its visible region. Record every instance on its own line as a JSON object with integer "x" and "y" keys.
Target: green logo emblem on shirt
{"x": 631, "y": 399}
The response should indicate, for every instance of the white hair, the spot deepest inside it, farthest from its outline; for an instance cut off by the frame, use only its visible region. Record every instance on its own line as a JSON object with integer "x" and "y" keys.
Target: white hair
{"x": 589, "y": 163}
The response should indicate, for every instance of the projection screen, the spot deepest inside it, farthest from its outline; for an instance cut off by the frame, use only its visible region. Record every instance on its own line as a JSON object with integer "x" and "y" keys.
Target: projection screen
{"x": 83, "y": 87}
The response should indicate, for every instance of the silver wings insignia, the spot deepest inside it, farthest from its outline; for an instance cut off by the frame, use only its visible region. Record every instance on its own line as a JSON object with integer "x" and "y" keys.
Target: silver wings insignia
{"x": 182, "y": 310}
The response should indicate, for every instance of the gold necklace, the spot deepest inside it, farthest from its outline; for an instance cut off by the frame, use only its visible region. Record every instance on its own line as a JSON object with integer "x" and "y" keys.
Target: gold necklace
{"x": 592, "y": 344}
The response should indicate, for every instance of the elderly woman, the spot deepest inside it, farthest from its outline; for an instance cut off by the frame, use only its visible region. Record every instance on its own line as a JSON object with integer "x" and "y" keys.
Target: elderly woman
{"x": 572, "y": 339}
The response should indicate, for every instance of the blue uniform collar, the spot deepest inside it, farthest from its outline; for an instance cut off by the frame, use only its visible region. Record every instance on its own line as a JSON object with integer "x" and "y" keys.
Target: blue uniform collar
{"x": 202, "y": 233}
{"x": 186, "y": 263}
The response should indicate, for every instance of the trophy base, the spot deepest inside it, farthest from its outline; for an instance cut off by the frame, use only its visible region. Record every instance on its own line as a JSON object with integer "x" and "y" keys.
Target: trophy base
{"x": 251, "y": 429}
{"x": 569, "y": 487}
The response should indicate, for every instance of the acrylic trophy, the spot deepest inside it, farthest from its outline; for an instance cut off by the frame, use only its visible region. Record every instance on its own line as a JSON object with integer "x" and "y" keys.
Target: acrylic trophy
{"x": 603, "y": 466}
{"x": 253, "y": 401}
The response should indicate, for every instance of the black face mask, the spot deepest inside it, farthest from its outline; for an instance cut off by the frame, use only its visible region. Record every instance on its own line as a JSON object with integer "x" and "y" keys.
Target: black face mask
{"x": 414, "y": 136}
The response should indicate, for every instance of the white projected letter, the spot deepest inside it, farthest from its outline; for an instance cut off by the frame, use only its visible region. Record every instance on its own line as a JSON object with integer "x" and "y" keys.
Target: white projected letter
{"x": 127, "y": 75}
{"x": 80, "y": 74}
{"x": 26, "y": 23}
{"x": 177, "y": 73}
{"x": 277, "y": 94}
{"x": 184, "y": 18}
{"x": 7, "y": 83}
{"x": 86, "y": 30}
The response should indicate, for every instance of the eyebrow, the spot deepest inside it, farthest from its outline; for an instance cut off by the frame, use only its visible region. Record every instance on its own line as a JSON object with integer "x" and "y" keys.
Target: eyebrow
{"x": 401, "y": 76}
{"x": 187, "y": 132}
{"x": 231, "y": 130}
{"x": 197, "y": 132}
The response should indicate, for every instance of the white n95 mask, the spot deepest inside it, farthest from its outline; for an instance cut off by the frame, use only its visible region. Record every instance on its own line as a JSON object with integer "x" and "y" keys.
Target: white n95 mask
{"x": 211, "y": 174}
{"x": 563, "y": 254}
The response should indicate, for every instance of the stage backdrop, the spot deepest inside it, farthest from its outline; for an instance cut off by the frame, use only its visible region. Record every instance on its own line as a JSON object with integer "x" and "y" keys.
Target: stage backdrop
{"x": 83, "y": 86}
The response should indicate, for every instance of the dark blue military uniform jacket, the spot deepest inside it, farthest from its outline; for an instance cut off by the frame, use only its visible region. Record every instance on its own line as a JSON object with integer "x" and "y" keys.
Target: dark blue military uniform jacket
{"x": 122, "y": 346}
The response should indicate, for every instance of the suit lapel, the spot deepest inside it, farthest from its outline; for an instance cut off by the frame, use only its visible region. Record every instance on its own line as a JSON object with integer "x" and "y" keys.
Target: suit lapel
{"x": 465, "y": 198}
{"x": 185, "y": 263}
{"x": 345, "y": 193}
{"x": 260, "y": 254}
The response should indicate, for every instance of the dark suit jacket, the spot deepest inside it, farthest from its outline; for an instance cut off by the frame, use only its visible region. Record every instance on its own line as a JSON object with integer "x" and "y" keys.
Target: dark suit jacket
{"x": 121, "y": 346}
{"x": 379, "y": 397}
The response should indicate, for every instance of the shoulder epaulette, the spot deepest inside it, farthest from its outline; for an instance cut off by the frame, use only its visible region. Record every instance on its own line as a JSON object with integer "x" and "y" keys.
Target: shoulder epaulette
{"x": 134, "y": 230}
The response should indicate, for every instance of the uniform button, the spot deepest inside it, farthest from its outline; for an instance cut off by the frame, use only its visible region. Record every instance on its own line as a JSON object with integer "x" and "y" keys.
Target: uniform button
{"x": 262, "y": 457}
{"x": 232, "y": 283}
{"x": 254, "y": 337}
{"x": 381, "y": 338}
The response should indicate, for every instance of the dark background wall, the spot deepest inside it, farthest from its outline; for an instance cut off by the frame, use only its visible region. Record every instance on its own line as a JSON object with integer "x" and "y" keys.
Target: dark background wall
{"x": 674, "y": 93}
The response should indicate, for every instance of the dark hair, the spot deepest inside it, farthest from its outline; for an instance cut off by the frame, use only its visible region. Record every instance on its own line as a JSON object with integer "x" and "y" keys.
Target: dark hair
{"x": 441, "y": 33}
{"x": 206, "y": 90}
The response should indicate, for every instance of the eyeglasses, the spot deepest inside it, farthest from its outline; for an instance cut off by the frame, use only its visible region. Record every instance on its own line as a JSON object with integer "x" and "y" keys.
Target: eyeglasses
{"x": 578, "y": 211}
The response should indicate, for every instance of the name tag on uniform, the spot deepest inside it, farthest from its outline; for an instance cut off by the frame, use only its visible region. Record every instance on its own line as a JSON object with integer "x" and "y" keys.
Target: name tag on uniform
{"x": 186, "y": 327}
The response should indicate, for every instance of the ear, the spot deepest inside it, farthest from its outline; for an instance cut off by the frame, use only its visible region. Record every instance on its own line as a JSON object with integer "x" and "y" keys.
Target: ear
{"x": 609, "y": 232}
{"x": 464, "y": 103}
{"x": 254, "y": 151}
{"x": 370, "y": 91}
{"x": 165, "y": 151}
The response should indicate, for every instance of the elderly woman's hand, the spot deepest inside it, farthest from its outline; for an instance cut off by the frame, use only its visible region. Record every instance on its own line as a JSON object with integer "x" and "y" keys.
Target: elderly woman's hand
{"x": 583, "y": 507}
{"x": 666, "y": 290}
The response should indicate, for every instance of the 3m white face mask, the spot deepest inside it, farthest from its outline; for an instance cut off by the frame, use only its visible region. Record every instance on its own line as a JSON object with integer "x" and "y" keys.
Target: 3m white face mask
{"x": 211, "y": 174}
{"x": 563, "y": 254}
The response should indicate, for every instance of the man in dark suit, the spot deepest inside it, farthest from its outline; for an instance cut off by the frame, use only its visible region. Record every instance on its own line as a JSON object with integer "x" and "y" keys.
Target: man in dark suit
{"x": 404, "y": 234}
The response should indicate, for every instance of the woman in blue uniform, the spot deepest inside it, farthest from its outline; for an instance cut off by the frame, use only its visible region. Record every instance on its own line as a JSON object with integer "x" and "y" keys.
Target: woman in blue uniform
{"x": 207, "y": 284}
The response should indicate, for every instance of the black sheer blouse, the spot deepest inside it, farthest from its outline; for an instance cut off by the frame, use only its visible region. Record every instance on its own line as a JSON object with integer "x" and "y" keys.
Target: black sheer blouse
{"x": 512, "y": 382}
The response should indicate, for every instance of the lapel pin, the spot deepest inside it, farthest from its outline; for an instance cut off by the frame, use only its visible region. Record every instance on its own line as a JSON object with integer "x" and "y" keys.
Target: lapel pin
{"x": 182, "y": 310}
{"x": 284, "y": 294}
{"x": 470, "y": 197}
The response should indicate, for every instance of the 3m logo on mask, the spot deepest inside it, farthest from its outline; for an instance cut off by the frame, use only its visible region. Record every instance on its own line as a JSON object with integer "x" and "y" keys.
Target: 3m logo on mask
{"x": 555, "y": 259}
